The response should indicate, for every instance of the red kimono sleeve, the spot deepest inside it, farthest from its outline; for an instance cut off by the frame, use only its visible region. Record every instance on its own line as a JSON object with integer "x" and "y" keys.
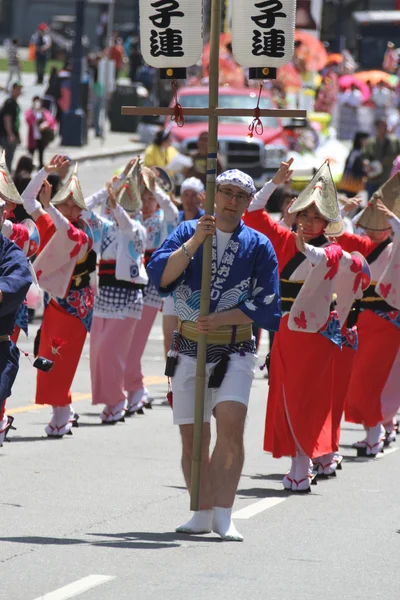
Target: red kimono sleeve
{"x": 352, "y": 242}
{"x": 281, "y": 238}
{"x": 46, "y": 230}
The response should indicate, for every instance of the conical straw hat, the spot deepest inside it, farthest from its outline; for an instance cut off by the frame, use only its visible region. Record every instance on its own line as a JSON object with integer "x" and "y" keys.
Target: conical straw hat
{"x": 147, "y": 179}
{"x": 321, "y": 191}
{"x": 72, "y": 189}
{"x": 373, "y": 219}
{"x": 8, "y": 191}
{"x": 128, "y": 194}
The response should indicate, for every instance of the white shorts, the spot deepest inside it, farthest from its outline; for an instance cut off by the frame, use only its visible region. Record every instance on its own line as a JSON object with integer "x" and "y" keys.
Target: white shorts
{"x": 169, "y": 307}
{"x": 235, "y": 386}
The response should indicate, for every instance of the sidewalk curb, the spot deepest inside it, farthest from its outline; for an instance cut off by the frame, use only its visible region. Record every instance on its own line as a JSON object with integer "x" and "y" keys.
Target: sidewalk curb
{"x": 99, "y": 155}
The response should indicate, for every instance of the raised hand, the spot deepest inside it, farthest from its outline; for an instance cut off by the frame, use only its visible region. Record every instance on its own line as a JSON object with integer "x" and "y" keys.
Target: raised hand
{"x": 350, "y": 203}
{"x": 112, "y": 200}
{"x": 384, "y": 209}
{"x": 57, "y": 163}
{"x": 284, "y": 173}
{"x": 299, "y": 237}
{"x": 45, "y": 194}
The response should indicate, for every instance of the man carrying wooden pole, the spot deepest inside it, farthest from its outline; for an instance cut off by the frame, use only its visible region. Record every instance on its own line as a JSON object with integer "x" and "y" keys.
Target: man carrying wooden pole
{"x": 238, "y": 284}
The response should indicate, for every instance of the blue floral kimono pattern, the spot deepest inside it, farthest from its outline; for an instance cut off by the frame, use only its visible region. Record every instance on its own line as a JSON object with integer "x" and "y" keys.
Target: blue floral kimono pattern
{"x": 350, "y": 338}
{"x": 78, "y": 303}
{"x": 22, "y": 318}
{"x": 331, "y": 329}
{"x": 393, "y": 317}
{"x": 246, "y": 278}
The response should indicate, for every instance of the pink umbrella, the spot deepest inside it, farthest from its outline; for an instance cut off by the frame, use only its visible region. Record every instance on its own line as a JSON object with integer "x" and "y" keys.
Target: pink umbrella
{"x": 347, "y": 81}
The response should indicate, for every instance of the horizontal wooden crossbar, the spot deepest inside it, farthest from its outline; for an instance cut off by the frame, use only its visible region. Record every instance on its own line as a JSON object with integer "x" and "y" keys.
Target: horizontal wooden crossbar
{"x": 209, "y": 112}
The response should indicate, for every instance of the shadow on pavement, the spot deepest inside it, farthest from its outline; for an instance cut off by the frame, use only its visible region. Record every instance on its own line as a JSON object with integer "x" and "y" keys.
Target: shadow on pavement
{"x": 358, "y": 459}
{"x": 359, "y": 429}
{"x": 146, "y": 536}
{"x": 263, "y": 493}
{"x": 269, "y": 477}
{"x": 137, "y": 540}
{"x": 83, "y": 424}
{"x": 42, "y": 438}
{"x": 128, "y": 542}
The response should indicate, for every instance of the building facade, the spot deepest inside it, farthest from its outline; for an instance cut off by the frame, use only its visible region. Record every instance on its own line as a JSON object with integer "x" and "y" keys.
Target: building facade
{"x": 330, "y": 26}
{"x": 20, "y": 18}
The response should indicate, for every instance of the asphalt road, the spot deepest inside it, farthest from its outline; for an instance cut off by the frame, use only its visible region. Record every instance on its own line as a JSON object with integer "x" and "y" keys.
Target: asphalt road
{"x": 93, "y": 515}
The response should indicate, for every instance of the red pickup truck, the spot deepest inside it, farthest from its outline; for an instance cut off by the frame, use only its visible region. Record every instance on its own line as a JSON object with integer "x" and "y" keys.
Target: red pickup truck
{"x": 259, "y": 156}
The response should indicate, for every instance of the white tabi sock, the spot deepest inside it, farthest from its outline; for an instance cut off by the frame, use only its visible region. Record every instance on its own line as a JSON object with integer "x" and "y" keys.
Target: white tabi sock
{"x": 3, "y": 429}
{"x": 289, "y": 477}
{"x": 375, "y": 440}
{"x": 303, "y": 473}
{"x": 224, "y": 526}
{"x": 200, "y": 522}
{"x": 137, "y": 399}
{"x": 112, "y": 414}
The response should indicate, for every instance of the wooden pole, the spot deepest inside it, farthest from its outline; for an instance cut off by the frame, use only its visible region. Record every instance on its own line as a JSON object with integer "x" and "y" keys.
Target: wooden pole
{"x": 207, "y": 255}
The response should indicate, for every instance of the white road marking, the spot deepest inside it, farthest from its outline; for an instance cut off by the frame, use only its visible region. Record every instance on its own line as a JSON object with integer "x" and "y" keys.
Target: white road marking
{"x": 386, "y": 452}
{"x": 77, "y": 587}
{"x": 257, "y": 507}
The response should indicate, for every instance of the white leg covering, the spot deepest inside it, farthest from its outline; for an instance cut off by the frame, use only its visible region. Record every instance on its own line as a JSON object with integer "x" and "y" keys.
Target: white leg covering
{"x": 289, "y": 477}
{"x": 390, "y": 437}
{"x": 328, "y": 463}
{"x": 223, "y": 525}
{"x": 113, "y": 414}
{"x": 51, "y": 427}
{"x": 375, "y": 440}
{"x": 61, "y": 421}
{"x": 303, "y": 473}
{"x": 136, "y": 400}
{"x": 361, "y": 443}
{"x": 3, "y": 429}
{"x": 390, "y": 428}
{"x": 201, "y": 522}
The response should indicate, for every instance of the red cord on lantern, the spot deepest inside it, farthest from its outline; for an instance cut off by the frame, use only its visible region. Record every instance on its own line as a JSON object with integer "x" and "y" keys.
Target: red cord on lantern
{"x": 256, "y": 124}
{"x": 178, "y": 117}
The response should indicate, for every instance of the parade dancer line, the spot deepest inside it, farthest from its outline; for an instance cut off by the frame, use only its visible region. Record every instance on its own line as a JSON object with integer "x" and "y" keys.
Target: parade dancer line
{"x": 26, "y": 237}
{"x": 160, "y": 217}
{"x": 301, "y": 395}
{"x": 15, "y": 280}
{"x": 118, "y": 304}
{"x": 244, "y": 288}
{"x": 63, "y": 270}
{"x": 372, "y": 393}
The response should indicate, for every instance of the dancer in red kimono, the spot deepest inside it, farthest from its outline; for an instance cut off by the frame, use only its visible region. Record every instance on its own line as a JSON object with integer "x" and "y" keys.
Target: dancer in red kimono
{"x": 299, "y": 413}
{"x": 373, "y": 395}
{"x": 63, "y": 270}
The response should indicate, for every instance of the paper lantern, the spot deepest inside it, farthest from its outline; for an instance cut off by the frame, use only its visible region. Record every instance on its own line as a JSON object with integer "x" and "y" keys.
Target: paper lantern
{"x": 171, "y": 32}
{"x": 263, "y": 32}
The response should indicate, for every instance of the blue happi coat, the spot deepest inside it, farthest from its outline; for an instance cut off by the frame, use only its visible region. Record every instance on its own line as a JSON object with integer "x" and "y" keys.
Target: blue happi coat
{"x": 246, "y": 278}
{"x": 15, "y": 280}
